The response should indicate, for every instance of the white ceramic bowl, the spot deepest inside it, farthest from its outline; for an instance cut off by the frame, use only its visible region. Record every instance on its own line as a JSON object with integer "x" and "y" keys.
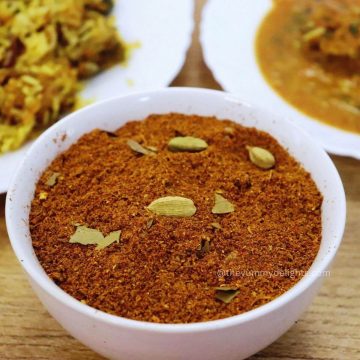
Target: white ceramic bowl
{"x": 235, "y": 337}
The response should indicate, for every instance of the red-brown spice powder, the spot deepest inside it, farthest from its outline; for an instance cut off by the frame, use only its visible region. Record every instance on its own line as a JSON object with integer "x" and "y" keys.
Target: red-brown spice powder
{"x": 155, "y": 273}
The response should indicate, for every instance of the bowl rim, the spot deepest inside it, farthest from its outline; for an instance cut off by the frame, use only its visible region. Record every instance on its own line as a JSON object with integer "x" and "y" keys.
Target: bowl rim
{"x": 38, "y": 275}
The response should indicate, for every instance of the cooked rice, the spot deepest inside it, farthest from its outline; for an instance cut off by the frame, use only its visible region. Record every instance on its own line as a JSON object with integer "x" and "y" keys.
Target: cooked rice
{"x": 46, "y": 47}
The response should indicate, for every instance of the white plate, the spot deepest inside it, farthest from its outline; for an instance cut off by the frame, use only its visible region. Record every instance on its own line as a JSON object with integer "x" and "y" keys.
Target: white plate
{"x": 228, "y": 31}
{"x": 163, "y": 30}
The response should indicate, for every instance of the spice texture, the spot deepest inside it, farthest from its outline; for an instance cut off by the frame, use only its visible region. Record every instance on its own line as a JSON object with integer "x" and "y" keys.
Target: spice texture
{"x": 196, "y": 264}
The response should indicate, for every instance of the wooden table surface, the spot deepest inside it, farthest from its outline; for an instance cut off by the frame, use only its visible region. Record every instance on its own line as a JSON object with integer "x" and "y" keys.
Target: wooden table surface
{"x": 330, "y": 329}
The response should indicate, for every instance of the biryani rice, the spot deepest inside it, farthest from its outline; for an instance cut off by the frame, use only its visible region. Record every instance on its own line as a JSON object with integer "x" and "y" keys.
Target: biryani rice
{"x": 46, "y": 48}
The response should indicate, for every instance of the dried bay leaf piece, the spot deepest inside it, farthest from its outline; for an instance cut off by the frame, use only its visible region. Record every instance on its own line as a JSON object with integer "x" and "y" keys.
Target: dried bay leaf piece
{"x": 260, "y": 157}
{"x": 149, "y": 223}
{"x": 109, "y": 239}
{"x": 173, "y": 206}
{"x": 187, "y": 143}
{"x": 110, "y": 134}
{"x": 52, "y": 179}
{"x": 203, "y": 248}
{"x": 86, "y": 236}
{"x": 216, "y": 225}
{"x": 222, "y": 206}
{"x": 138, "y": 148}
{"x": 226, "y": 293}
{"x": 152, "y": 148}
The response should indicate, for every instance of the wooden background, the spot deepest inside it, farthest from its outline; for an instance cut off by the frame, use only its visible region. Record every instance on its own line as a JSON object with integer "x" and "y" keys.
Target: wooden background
{"x": 329, "y": 330}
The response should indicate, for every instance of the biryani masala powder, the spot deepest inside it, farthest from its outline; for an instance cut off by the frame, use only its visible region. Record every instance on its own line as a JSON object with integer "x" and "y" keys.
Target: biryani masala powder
{"x": 247, "y": 224}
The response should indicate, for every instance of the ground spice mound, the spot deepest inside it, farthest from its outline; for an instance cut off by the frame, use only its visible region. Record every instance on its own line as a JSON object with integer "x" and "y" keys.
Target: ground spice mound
{"x": 156, "y": 272}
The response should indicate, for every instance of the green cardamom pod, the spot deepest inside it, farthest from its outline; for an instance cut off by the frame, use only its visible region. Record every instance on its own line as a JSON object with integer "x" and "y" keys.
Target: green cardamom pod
{"x": 262, "y": 158}
{"x": 138, "y": 148}
{"x": 173, "y": 206}
{"x": 226, "y": 293}
{"x": 187, "y": 143}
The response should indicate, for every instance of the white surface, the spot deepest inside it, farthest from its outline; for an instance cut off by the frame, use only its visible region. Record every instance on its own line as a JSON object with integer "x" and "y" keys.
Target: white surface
{"x": 163, "y": 30}
{"x": 228, "y": 31}
{"x": 114, "y": 337}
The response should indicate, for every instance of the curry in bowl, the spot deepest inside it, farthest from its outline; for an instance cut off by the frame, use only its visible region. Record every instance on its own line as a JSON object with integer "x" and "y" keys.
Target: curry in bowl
{"x": 309, "y": 52}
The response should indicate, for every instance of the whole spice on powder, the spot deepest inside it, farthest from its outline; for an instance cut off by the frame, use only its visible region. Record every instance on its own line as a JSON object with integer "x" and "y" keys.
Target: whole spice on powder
{"x": 183, "y": 256}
